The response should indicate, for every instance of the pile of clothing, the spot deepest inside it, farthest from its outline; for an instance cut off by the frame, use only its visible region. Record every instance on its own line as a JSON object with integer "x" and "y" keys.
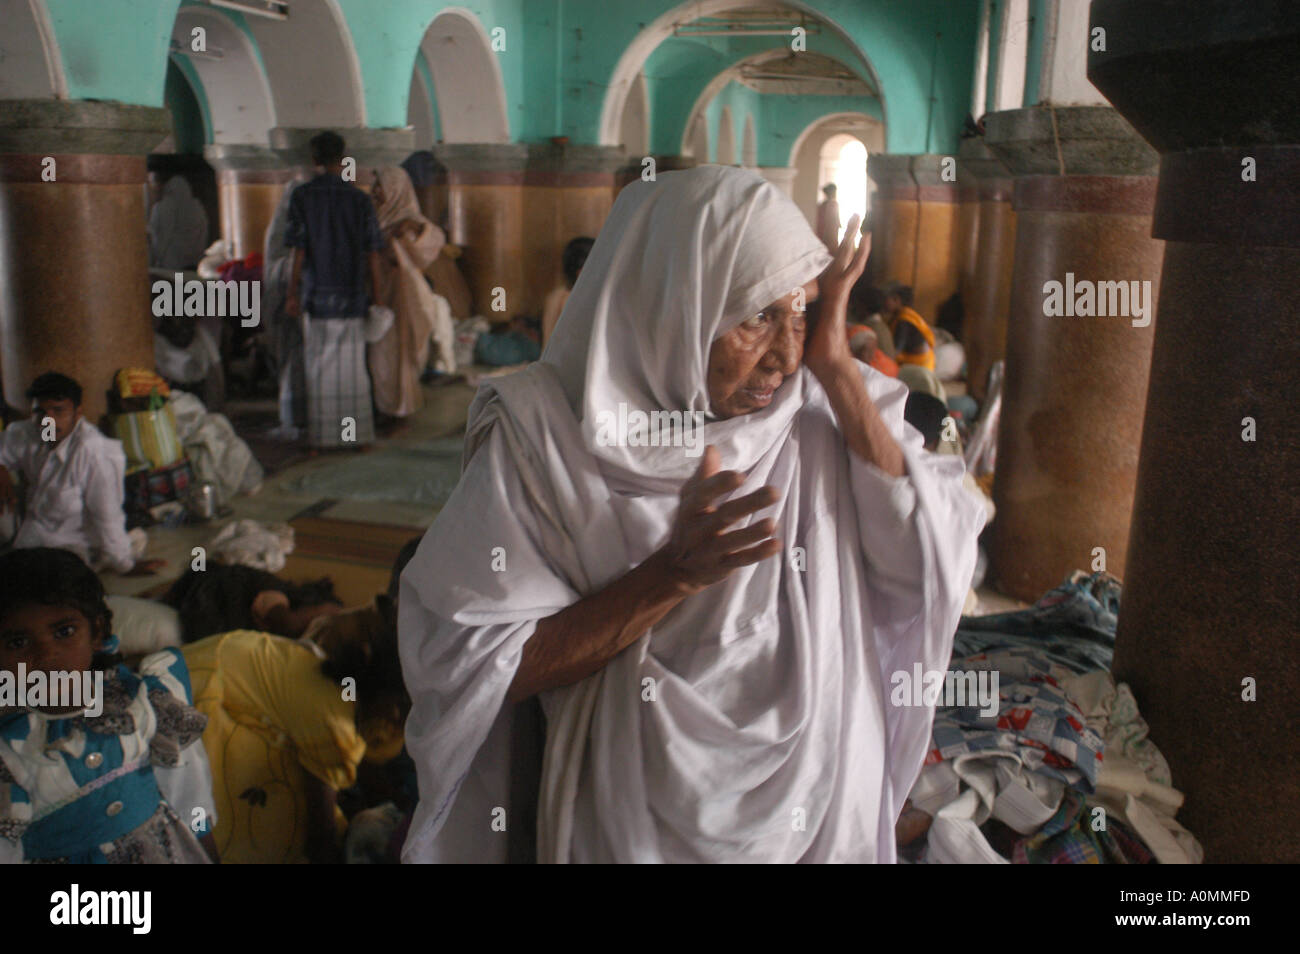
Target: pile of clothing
{"x": 1063, "y": 772}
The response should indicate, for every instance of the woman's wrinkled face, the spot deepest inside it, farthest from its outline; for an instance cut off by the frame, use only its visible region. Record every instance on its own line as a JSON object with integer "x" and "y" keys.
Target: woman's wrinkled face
{"x": 749, "y": 362}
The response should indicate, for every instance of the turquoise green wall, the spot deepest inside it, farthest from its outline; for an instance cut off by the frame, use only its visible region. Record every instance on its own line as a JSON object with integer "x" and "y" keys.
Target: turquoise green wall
{"x": 114, "y": 49}
{"x": 898, "y": 37}
{"x": 680, "y": 69}
{"x": 742, "y": 102}
{"x": 995, "y": 43}
{"x": 1034, "y": 59}
{"x": 386, "y": 48}
{"x": 782, "y": 118}
{"x": 560, "y": 56}
{"x": 676, "y": 74}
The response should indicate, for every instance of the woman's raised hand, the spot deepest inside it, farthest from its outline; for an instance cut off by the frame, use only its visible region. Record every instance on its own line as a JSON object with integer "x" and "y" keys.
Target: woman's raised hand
{"x": 700, "y": 552}
{"x": 827, "y": 345}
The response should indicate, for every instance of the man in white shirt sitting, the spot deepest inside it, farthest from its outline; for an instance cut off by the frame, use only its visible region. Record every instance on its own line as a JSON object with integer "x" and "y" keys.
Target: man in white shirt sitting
{"x": 74, "y": 480}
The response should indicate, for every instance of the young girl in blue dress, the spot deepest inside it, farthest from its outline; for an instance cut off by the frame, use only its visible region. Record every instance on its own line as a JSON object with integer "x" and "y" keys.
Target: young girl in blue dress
{"x": 130, "y": 784}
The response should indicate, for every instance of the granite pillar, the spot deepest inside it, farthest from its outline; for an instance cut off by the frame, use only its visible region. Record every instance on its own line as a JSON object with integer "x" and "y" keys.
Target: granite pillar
{"x": 568, "y": 192}
{"x": 1208, "y": 626}
{"x": 250, "y": 182}
{"x": 485, "y": 214}
{"x": 74, "y": 257}
{"x": 986, "y": 295}
{"x": 1076, "y": 382}
{"x": 915, "y": 228}
{"x": 894, "y": 219}
{"x": 936, "y": 268}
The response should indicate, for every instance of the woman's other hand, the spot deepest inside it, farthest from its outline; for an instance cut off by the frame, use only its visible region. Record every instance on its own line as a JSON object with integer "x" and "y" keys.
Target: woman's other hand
{"x": 700, "y": 553}
{"x": 827, "y": 347}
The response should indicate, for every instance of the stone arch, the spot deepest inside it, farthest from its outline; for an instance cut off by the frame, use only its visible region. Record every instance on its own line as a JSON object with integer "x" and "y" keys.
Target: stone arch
{"x": 32, "y": 63}
{"x": 312, "y": 67}
{"x": 867, "y": 128}
{"x": 467, "y": 81}
{"x": 238, "y": 96}
{"x": 644, "y": 43}
{"x": 726, "y": 76}
{"x": 805, "y": 153}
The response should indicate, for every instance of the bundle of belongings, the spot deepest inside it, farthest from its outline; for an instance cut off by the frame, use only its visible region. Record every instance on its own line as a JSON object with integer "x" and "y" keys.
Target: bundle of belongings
{"x": 216, "y": 453}
{"x": 157, "y": 472}
{"x": 172, "y": 445}
{"x": 1055, "y": 766}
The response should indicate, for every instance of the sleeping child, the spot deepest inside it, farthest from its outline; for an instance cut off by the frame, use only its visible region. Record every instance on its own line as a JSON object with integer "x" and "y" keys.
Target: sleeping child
{"x": 112, "y": 774}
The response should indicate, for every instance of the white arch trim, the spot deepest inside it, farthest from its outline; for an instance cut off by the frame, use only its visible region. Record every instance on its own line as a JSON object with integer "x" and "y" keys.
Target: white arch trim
{"x": 659, "y": 29}
{"x": 33, "y": 64}
{"x": 477, "y": 73}
{"x": 749, "y": 144}
{"x": 634, "y": 129}
{"x": 312, "y": 65}
{"x": 240, "y": 105}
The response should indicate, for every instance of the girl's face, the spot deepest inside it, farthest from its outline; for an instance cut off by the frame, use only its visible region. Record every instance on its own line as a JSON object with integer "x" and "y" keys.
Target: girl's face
{"x": 749, "y": 362}
{"x": 47, "y": 638}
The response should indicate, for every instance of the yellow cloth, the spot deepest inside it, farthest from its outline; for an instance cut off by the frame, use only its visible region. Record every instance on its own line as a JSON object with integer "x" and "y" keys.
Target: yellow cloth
{"x": 924, "y": 358}
{"x": 273, "y": 716}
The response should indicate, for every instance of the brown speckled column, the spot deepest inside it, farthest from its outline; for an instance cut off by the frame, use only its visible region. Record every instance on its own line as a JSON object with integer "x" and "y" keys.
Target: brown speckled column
{"x": 250, "y": 182}
{"x": 74, "y": 289}
{"x": 1075, "y": 386}
{"x": 987, "y": 297}
{"x": 568, "y": 192}
{"x": 894, "y": 217}
{"x": 485, "y": 211}
{"x": 936, "y": 267}
{"x": 1210, "y": 595}
{"x": 916, "y": 233}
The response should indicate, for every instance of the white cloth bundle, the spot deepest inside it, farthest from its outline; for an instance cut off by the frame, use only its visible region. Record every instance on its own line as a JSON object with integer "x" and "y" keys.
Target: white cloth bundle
{"x": 753, "y": 722}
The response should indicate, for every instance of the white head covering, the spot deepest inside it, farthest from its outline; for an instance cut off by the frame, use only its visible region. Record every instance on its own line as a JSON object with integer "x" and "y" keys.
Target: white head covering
{"x": 680, "y": 262}
{"x": 772, "y": 687}
{"x": 178, "y": 227}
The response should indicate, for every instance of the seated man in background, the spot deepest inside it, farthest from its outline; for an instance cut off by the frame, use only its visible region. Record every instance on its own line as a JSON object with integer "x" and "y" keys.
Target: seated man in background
{"x": 575, "y": 256}
{"x": 74, "y": 480}
{"x": 913, "y": 338}
{"x": 865, "y": 347}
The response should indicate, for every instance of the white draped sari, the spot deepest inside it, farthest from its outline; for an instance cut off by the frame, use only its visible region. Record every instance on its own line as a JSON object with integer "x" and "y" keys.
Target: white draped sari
{"x": 752, "y": 723}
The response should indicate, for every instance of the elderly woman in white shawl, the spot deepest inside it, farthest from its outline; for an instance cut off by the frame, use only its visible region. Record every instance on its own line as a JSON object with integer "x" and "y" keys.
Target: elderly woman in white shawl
{"x": 712, "y": 635}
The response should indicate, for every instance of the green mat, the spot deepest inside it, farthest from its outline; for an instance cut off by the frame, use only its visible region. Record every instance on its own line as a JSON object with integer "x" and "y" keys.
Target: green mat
{"x": 425, "y": 474}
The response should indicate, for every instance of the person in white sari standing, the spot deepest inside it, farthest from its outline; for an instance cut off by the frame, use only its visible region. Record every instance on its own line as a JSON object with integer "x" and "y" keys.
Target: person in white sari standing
{"x": 712, "y": 648}
{"x": 412, "y": 242}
